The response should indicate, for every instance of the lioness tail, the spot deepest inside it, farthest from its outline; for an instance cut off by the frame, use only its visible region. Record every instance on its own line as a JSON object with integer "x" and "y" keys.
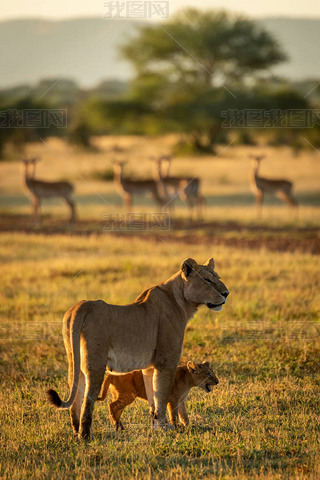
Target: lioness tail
{"x": 75, "y": 316}
{"x": 54, "y": 398}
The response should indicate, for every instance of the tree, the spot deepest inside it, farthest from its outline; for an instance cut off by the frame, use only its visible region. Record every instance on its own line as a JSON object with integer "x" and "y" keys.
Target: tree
{"x": 195, "y": 66}
{"x": 204, "y": 47}
{"x": 16, "y": 133}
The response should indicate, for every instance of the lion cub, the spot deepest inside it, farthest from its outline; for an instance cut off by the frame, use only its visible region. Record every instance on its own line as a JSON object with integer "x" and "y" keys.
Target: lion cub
{"x": 126, "y": 388}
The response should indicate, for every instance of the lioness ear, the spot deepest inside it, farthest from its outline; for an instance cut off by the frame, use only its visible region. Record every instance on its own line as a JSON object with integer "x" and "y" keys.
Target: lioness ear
{"x": 210, "y": 263}
{"x": 192, "y": 367}
{"x": 206, "y": 364}
{"x": 188, "y": 266}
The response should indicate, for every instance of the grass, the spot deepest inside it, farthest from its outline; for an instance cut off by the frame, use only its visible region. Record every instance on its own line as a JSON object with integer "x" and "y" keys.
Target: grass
{"x": 262, "y": 420}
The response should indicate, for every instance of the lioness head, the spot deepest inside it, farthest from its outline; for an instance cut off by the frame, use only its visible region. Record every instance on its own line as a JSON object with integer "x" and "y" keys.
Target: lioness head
{"x": 202, "y": 375}
{"x": 202, "y": 285}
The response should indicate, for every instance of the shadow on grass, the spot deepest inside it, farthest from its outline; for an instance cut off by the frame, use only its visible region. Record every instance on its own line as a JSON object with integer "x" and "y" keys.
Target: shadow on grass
{"x": 246, "y": 199}
{"x": 241, "y": 199}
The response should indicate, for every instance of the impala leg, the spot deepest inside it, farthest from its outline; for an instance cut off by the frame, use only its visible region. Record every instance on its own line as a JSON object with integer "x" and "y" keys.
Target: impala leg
{"x": 191, "y": 204}
{"x": 200, "y": 203}
{"x": 71, "y": 204}
{"x": 203, "y": 207}
{"x": 36, "y": 209}
{"x": 128, "y": 202}
{"x": 288, "y": 198}
{"x": 160, "y": 195}
{"x": 259, "y": 199}
{"x": 170, "y": 206}
{"x": 291, "y": 201}
{"x": 156, "y": 198}
{"x": 295, "y": 209}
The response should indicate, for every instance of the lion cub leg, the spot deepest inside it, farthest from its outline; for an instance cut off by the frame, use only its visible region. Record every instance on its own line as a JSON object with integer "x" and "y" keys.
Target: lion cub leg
{"x": 173, "y": 413}
{"x": 177, "y": 408}
{"x": 183, "y": 416}
{"x": 124, "y": 390}
{"x": 94, "y": 379}
{"x": 116, "y": 409}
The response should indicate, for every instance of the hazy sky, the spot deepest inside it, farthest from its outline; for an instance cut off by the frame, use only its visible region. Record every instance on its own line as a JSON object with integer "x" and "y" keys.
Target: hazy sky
{"x": 76, "y": 8}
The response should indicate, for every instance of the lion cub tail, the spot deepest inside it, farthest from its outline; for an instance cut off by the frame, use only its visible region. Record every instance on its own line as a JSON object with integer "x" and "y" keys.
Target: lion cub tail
{"x": 104, "y": 388}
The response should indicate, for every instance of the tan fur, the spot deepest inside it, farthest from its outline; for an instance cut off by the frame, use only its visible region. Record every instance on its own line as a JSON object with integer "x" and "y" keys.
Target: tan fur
{"x": 40, "y": 189}
{"x": 128, "y": 187}
{"x": 126, "y": 388}
{"x": 187, "y": 188}
{"x": 147, "y": 333}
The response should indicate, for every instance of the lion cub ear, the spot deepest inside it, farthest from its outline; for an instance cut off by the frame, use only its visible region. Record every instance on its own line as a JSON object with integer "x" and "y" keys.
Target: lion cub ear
{"x": 188, "y": 266}
{"x": 192, "y": 367}
{"x": 210, "y": 263}
{"x": 206, "y": 364}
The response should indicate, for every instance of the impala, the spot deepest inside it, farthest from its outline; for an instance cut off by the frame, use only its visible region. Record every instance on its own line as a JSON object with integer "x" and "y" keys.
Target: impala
{"x": 41, "y": 189}
{"x": 261, "y": 185}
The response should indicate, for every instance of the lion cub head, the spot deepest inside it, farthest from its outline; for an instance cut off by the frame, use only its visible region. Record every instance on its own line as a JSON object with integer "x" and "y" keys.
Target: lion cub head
{"x": 202, "y": 375}
{"x": 202, "y": 284}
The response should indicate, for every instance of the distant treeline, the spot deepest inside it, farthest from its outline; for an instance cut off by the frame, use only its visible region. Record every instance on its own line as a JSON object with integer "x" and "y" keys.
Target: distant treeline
{"x": 221, "y": 78}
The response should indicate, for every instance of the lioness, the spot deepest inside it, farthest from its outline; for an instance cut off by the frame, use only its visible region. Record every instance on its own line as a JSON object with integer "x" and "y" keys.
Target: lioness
{"x": 147, "y": 333}
{"x": 126, "y": 388}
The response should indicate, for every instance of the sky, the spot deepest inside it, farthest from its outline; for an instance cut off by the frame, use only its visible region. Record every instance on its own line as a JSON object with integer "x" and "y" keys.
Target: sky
{"x": 57, "y": 9}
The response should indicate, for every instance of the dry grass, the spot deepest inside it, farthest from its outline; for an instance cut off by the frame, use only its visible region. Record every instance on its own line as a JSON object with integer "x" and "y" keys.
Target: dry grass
{"x": 260, "y": 421}
{"x": 224, "y": 174}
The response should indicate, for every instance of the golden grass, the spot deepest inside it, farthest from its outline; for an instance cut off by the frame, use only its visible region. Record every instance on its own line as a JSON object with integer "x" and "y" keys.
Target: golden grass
{"x": 262, "y": 419}
{"x": 225, "y": 173}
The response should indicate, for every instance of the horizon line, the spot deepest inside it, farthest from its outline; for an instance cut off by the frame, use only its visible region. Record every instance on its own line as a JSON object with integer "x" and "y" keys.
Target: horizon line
{"x": 96, "y": 17}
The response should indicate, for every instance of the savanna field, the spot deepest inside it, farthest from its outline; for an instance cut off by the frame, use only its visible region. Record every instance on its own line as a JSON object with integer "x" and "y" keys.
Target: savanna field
{"x": 262, "y": 420}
